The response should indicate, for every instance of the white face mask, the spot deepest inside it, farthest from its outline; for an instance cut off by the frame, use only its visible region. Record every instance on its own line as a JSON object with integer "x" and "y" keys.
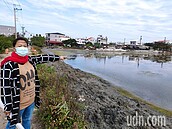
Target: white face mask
{"x": 22, "y": 51}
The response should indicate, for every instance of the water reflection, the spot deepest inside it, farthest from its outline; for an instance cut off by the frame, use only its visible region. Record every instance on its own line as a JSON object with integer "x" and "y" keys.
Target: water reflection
{"x": 71, "y": 57}
{"x": 158, "y": 58}
{"x": 145, "y": 75}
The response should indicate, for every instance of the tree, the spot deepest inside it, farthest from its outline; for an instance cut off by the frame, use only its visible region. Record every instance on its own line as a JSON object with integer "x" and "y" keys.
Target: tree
{"x": 38, "y": 41}
{"x": 89, "y": 44}
{"x": 97, "y": 45}
{"x": 161, "y": 46}
{"x": 71, "y": 42}
{"x": 5, "y": 42}
{"x": 149, "y": 44}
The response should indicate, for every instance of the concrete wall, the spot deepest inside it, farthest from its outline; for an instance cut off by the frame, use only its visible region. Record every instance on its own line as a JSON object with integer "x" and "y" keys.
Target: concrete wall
{"x": 7, "y": 30}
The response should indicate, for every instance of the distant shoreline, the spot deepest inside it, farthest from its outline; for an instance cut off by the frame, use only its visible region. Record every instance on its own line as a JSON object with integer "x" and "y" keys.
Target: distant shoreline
{"x": 70, "y": 50}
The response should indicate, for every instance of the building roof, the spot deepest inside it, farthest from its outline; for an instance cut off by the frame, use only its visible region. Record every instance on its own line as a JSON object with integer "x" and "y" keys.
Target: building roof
{"x": 56, "y": 33}
{"x": 162, "y": 41}
{"x": 6, "y": 26}
{"x": 54, "y": 41}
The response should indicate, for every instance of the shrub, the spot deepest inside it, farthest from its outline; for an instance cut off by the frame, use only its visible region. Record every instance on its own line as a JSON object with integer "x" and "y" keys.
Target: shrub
{"x": 36, "y": 50}
{"x": 5, "y": 42}
{"x": 38, "y": 41}
{"x": 59, "y": 109}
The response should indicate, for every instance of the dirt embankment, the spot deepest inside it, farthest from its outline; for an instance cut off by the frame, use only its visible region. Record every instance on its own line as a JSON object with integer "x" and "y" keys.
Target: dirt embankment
{"x": 105, "y": 107}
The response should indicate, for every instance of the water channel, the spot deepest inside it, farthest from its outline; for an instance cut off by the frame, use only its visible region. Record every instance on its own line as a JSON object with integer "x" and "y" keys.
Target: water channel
{"x": 147, "y": 76}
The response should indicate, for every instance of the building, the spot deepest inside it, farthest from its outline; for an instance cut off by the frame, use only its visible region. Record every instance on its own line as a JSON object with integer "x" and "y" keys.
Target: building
{"x": 81, "y": 41}
{"x": 91, "y": 39}
{"x": 55, "y": 38}
{"x": 135, "y": 42}
{"x": 85, "y": 40}
{"x": 102, "y": 40}
{"x": 7, "y": 30}
{"x": 63, "y": 38}
{"x": 162, "y": 41}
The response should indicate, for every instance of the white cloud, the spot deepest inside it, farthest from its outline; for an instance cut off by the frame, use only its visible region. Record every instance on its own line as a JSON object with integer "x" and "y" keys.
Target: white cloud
{"x": 115, "y": 19}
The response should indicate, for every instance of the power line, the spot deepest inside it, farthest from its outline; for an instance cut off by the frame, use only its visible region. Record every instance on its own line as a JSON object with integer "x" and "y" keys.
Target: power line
{"x": 21, "y": 21}
{"x": 18, "y": 2}
{"x": 13, "y": 1}
{"x": 17, "y": 17}
{"x": 20, "y": 18}
{"x": 6, "y": 3}
{"x": 15, "y": 9}
{"x": 21, "y": 15}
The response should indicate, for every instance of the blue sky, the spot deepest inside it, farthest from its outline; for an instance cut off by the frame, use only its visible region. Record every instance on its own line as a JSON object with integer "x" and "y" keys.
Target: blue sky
{"x": 116, "y": 19}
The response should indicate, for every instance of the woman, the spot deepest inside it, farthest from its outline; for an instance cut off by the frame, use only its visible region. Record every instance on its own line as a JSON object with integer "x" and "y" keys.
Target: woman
{"x": 20, "y": 84}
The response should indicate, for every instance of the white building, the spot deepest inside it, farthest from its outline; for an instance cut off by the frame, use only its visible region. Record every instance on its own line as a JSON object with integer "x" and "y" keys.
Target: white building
{"x": 81, "y": 41}
{"x": 135, "y": 42}
{"x": 91, "y": 39}
{"x": 7, "y": 30}
{"x": 57, "y": 37}
{"x": 102, "y": 40}
{"x": 63, "y": 38}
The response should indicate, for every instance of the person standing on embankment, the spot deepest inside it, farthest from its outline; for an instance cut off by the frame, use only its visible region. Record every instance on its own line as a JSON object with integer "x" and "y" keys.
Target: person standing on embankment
{"x": 20, "y": 84}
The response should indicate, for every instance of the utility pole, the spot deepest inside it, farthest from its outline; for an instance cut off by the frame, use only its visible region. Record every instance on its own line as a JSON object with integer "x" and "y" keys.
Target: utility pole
{"x": 165, "y": 39}
{"x": 140, "y": 40}
{"x": 23, "y": 33}
{"x": 124, "y": 40}
{"x": 15, "y": 9}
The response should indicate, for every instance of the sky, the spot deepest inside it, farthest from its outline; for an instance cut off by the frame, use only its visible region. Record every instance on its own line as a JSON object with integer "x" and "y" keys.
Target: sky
{"x": 119, "y": 20}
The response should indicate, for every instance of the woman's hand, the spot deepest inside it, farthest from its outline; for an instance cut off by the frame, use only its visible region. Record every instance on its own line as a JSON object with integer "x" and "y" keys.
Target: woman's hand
{"x": 62, "y": 57}
{"x": 7, "y": 113}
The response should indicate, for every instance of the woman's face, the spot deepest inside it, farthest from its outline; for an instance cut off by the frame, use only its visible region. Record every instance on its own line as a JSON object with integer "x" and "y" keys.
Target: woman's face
{"x": 21, "y": 43}
{"x": 21, "y": 48}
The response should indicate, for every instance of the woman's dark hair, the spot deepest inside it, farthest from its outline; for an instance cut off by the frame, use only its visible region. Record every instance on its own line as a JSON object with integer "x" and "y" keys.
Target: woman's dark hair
{"x": 20, "y": 38}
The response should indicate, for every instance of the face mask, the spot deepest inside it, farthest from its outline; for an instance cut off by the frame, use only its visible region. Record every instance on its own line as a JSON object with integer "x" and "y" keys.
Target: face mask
{"x": 22, "y": 51}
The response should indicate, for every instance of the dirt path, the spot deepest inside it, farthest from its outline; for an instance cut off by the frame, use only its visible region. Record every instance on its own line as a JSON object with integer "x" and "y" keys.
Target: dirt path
{"x": 2, "y": 120}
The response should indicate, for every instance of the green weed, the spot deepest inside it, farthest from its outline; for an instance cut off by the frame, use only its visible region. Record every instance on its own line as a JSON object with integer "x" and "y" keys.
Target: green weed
{"x": 59, "y": 108}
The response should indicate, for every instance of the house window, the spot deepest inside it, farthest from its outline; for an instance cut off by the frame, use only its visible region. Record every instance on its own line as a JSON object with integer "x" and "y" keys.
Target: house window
{"x": 9, "y": 29}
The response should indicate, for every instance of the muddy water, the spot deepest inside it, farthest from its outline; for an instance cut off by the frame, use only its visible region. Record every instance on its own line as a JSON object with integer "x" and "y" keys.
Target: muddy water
{"x": 147, "y": 76}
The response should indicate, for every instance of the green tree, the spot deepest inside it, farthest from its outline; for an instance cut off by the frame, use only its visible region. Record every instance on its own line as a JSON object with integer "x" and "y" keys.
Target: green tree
{"x": 5, "y": 42}
{"x": 38, "y": 41}
{"x": 97, "y": 45}
{"x": 162, "y": 46}
{"x": 149, "y": 44}
{"x": 71, "y": 42}
{"x": 89, "y": 44}
{"x": 159, "y": 46}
